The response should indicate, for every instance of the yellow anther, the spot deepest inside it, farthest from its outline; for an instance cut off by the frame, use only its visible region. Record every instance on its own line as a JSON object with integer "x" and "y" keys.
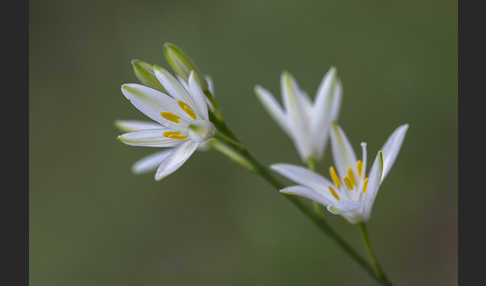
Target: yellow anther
{"x": 359, "y": 167}
{"x": 365, "y": 183}
{"x": 348, "y": 183}
{"x": 174, "y": 135}
{"x": 187, "y": 109}
{"x": 351, "y": 176}
{"x": 170, "y": 116}
{"x": 334, "y": 177}
{"x": 333, "y": 192}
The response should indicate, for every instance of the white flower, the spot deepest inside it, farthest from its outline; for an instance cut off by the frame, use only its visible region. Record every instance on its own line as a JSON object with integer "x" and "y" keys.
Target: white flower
{"x": 306, "y": 122}
{"x": 350, "y": 194}
{"x": 181, "y": 122}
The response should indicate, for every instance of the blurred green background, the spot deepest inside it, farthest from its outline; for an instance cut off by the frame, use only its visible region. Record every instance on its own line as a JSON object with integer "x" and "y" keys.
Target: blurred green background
{"x": 92, "y": 222}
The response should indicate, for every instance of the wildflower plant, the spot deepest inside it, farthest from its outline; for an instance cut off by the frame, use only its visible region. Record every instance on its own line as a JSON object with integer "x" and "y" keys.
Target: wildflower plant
{"x": 186, "y": 118}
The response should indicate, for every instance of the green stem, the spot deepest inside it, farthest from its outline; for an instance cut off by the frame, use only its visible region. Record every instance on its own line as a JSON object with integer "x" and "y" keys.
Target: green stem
{"x": 374, "y": 262}
{"x": 236, "y": 151}
{"x": 318, "y": 220}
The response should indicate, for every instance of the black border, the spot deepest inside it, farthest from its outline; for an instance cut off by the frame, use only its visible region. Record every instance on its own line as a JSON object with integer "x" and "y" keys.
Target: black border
{"x": 471, "y": 142}
{"x": 14, "y": 203}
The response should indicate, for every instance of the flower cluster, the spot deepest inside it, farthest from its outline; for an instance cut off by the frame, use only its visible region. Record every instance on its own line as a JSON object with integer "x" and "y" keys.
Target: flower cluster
{"x": 185, "y": 118}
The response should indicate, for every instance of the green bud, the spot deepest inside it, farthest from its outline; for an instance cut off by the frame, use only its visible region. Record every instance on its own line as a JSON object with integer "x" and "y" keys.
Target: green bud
{"x": 145, "y": 74}
{"x": 182, "y": 65}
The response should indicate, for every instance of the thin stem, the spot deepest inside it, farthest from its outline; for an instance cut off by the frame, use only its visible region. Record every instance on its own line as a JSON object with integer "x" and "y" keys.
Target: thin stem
{"x": 374, "y": 262}
{"x": 235, "y": 146}
{"x": 318, "y": 220}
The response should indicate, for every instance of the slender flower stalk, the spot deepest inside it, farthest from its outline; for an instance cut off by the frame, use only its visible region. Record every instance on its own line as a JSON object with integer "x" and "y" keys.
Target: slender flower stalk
{"x": 374, "y": 262}
{"x": 247, "y": 160}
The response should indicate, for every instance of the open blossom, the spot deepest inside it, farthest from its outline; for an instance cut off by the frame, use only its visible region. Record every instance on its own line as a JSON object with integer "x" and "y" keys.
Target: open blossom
{"x": 349, "y": 193}
{"x": 180, "y": 121}
{"x": 307, "y": 123}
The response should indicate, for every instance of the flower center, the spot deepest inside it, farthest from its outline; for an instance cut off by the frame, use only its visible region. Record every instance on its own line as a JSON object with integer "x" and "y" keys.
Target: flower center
{"x": 350, "y": 180}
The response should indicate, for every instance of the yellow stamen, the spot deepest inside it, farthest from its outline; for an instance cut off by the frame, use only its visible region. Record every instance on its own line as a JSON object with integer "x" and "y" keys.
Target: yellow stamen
{"x": 351, "y": 176}
{"x": 170, "y": 116}
{"x": 359, "y": 167}
{"x": 334, "y": 177}
{"x": 348, "y": 183}
{"x": 174, "y": 135}
{"x": 365, "y": 183}
{"x": 187, "y": 109}
{"x": 333, "y": 192}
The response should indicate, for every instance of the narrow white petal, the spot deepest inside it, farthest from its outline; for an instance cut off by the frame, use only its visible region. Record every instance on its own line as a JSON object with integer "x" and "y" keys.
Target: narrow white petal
{"x": 150, "y": 163}
{"x": 176, "y": 159}
{"x": 307, "y": 193}
{"x": 374, "y": 181}
{"x": 209, "y": 80}
{"x": 273, "y": 108}
{"x": 292, "y": 99}
{"x": 152, "y": 102}
{"x": 135, "y": 125}
{"x": 198, "y": 97}
{"x": 173, "y": 86}
{"x": 325, "y": 110}
{"x": 342, "y": 150}
{"x": 391, "y": 148}
{"x": 149, "y": 138}
{"x": 182, "y": 82}
{"x": 303, "y": 176}
{"x": 325, "y": 93}
{"x": 336, "y": 105}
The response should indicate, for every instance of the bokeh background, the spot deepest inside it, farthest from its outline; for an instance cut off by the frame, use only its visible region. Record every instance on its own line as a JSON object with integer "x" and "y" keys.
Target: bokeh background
{"x": 92, "y": 222}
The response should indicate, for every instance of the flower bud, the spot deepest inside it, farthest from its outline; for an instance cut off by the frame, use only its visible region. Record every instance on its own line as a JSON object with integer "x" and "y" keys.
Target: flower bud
{"x": 145, "y": 74}
{"x": 182, "y": 65}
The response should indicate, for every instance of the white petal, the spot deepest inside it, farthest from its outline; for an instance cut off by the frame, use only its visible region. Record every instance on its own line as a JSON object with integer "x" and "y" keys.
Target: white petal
{"x": 209, "y": 80}
{"x": 135, "y": 125}
{"x": 391, "y": 148}
{"x": 297, "y": 118}
{"x": 272, "y": 107}
{"x": 336, "y": 105}
{"x": 198, "y": 97}
{"x": 182, "y": 82}
{"x": 173, "y": 87}
{"x": 176, "y": 159}
{"x": 307, "y": 193}
{"x": 149, "y": 138}
{"x": 325, "y": 110}
{"x": 342, "y": 150}
{"x": 303, "y": 176}
{"x": 151, "y": 162}
{"x": 346, "y": 206}
{"x": 152, "y": 102}
{"x": 374, "y": 181}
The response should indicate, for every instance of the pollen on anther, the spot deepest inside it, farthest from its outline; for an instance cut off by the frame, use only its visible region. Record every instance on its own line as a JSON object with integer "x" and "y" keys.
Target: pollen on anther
{"x": 365, "y": 183}
{"x": 170, "y": 116}
{"x": 351, "y": 176}
{"x": 359, "y": 167}
{"x": 184, "y": 106}
{"x": 333, "y": 192}
{"x": 174, "y": 135}
{"x": 334, "y": 177}
{"x": 348, "y": 183}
